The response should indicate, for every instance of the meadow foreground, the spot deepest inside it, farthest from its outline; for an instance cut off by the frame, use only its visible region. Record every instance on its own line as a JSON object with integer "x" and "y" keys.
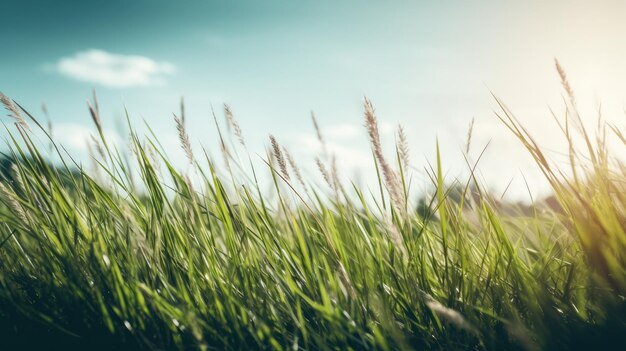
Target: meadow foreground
{"x": 143, "y": 255}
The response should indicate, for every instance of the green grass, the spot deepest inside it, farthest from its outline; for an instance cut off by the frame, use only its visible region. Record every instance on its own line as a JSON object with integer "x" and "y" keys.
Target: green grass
{"x": 109, "y": 260}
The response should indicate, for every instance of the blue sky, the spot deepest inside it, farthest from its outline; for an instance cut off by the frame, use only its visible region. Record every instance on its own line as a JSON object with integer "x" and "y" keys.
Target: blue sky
{"x": 429, "y": 66}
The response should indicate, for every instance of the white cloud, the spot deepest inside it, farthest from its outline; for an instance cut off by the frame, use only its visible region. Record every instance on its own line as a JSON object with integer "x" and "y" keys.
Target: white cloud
{"x": 349, "y": 143}
{"x": 347, "y": 132}
{"x": 114, "y": 70}
{"x": 78, "y": 137}
{"x": 386, "y": 128}
{"x": 343, "y": 131}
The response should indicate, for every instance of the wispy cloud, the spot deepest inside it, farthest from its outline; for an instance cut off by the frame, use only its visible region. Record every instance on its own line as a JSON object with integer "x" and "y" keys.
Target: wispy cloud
{"x": 347, "y": 142}
{"x": 78, "y": 136}
{"x": 346, "y": 131}
{"x": 343, "y": 131}
{"x": 114, "y": 70}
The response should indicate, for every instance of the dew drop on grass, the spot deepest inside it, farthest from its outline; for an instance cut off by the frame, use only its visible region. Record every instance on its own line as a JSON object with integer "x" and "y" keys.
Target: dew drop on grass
{"x": 128, "y": 326}
{"x": 106, "y": 260}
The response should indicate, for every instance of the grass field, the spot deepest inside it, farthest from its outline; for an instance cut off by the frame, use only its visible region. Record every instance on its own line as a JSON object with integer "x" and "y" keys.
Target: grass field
{"x": 205, "y": 258}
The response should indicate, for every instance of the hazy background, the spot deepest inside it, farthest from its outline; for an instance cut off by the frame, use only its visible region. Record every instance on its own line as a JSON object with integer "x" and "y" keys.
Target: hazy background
{"x": 429, "y": 66}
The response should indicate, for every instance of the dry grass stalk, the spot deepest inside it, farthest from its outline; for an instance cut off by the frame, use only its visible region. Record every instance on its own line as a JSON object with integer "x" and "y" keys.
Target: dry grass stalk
{"x": 280, "y": 158}
{"x": 565, "y": 82}
{"x": 403, "y": 148}
{"x": 94, "y": 111}
{"x": 345, "y": 280}
{"x": 294, "y": 167}
{"x": 395, "y": 235}
{"x": 232, "y": 123}
{"x": 320, "y": 137}
{"x": 226, "y": 154}
{"x": 44, "y": 109}
{"x": 182, "y": 110}
{"x": 470, "y": 131}
{"x": 98, "y": 146}
{"x": 152, "y": 157}
{"x": 332, "y": 177}
{"x": 184, "y": 138}
{"x": 450, "y": 315}
{"x": 334, "y": 172}
{"x": 189, "y": 183}
{"x": 325, "y": 174}
{"x": 17, "y": 176}
{"x": 14, "y": 112}
{"x": 12, "y": 202}
{"x": 390, "y": 177}
{"x": 92, "y": 158}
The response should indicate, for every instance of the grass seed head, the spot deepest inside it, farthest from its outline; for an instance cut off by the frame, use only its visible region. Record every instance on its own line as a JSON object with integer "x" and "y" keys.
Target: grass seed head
{"x": 320, "y": 136}
{"x": 391, "y": 180}
{"x": 13, "y": 202}
{"x": 294, "y": 167}
{"x": 234, "y": 125}
{"x": 470, "y": 131}
{"x": 183, "y": 137}
{"x": 324, "y": 172}
{"x": 94, "y": 111}
{"x": 278, "y": 155}
{"x": 14, "y": 112}
{"x": 403, "y": 148}
{"x": 450, "y": 315}
{"x": 565, "y": 82}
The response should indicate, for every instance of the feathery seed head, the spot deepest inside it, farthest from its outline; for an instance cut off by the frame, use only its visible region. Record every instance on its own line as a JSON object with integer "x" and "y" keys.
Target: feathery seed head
{"x": 320, "y": 136}
{"x": 184, "y": 138}
{"x": 94, "y": 111}
{"x": 403, "y": 148}
{"x": 279, "y": 157}
{"x": 395, "y": 235}
{"x": 13, "y": 202}
{"x": 95, "y": 116}
{"x": 99, "y": 147}
{"x": 318, "y": 131}
{"x": 449, "y": 315}
{"x": 294, "y": 167}
{"x": 17, "y": 176}
{"x": 324, "y": 172}
{"x": 391, "y": 180}
{"x": 14, "y": 112}
{"x": 334, "y": 172}
{"x": 182, "y": 109}
{"x": 470, "y": 130}
{"x": 565, "y": 81}
{"x": 232, "y": 124}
